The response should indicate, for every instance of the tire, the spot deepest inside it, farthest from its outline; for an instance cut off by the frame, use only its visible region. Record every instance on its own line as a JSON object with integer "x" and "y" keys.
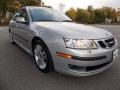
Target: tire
{"x": 11, "y": 38}
{"x": 42, "y": 57}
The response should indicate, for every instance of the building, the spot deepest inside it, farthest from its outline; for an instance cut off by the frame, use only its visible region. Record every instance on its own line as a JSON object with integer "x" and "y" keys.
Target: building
{"x": 118, "y": 15}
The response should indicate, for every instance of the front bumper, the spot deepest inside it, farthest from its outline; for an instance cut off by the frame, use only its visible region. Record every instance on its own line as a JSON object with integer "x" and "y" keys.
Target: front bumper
{"x": 92, "y": 61}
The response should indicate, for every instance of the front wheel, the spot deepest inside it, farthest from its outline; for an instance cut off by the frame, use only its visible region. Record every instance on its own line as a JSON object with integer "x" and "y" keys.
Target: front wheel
{"x": 42, "y": 56}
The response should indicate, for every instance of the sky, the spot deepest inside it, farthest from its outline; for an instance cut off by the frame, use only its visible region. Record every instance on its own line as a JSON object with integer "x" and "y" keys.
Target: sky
{"x": 82, "y": 3}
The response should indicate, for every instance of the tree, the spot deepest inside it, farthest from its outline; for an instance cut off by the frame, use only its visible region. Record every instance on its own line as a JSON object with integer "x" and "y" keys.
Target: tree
{"x": 3, "y": 7}
{"x": 31, "y": 2}
{"x": 71, "y": 13}
{"x": 90, "y": 9}
{"x": 82, "y": 16}
{"x": 13, "y": 6}
{"x": 99, "y": 16}
{"x": 110, "y": 13}
{"x": 118, "y": 15}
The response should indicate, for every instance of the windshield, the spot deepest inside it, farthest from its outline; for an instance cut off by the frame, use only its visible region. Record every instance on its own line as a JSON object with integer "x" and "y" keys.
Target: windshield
{"x": 47, "y": 14}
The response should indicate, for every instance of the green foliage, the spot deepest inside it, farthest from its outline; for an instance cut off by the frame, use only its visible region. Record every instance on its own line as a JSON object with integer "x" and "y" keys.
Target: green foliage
{"x": 9, "y": 7}
{"x": 3, "y": 7}
{"x": 99, "y": 16}
{"x": 82, "y": 16}
{"x": 31, "y": 2}
{"x": 13, "y": 5}
{"x": 92, "y": 15}
{"x": 71, "y": 13}
{"x": 109, "y": 12}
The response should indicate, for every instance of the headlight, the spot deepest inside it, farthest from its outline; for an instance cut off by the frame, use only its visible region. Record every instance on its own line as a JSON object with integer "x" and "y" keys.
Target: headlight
{"x": 80, "y": 44}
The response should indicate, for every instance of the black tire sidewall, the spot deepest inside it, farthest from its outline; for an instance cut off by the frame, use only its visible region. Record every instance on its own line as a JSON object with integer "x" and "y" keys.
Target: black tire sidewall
{"x": 49, "y": 63}
{"x": 11, "y": 38}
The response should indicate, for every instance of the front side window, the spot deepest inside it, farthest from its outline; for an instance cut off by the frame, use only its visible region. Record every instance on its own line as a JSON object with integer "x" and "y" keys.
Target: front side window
{"x": 23, "y": 13}
{"x": 16, "y": 15}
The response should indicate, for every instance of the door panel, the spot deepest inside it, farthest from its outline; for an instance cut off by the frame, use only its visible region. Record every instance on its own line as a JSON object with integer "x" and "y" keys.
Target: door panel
{"x": 23, "y": 34}
{"x": 22, "y": 29}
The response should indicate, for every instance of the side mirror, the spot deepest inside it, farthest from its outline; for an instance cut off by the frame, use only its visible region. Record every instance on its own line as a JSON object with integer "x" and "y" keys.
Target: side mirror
{"x": 21, "y": 20}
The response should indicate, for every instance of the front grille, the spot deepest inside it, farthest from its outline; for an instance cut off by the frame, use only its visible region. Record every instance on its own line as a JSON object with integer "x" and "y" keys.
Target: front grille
{"x": 110, "y": 42}
{"x": 107, "y": 43}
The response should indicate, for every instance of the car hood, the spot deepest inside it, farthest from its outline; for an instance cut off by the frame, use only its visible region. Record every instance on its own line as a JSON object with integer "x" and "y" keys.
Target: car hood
{"x": 75, "y": 31}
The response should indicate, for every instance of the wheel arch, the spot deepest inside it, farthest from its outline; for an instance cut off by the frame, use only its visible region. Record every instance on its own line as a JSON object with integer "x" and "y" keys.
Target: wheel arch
{"x": 34, "y": 39}
{"x": 9, "y": 30}
{"x": 38, "y": 38}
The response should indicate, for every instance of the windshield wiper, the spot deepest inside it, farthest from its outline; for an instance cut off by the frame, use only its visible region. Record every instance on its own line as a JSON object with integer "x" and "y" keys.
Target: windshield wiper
{"x": 67, "y": 21}
{"x": 46, "y": 20}
{"x": 53, "y": 21}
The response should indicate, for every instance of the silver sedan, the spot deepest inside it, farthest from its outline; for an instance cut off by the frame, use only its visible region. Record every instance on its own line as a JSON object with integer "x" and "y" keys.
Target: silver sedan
{"x": 57, "y": 43}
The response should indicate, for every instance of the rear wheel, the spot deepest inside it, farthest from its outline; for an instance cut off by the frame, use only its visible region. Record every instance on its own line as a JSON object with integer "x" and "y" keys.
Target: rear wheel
{"x": 11, "y": 38}
{"x": 42, "y": 56}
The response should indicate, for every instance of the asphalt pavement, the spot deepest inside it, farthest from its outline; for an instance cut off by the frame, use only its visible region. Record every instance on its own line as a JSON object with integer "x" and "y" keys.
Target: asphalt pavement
{"x": 19, "y": 72}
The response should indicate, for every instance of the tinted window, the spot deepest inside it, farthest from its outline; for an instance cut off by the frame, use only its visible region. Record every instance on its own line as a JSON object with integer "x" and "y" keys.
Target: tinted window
{"x": 23, "y": 13}
{"x": 15, "y": 16}
{"x": 46, "y": 14}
